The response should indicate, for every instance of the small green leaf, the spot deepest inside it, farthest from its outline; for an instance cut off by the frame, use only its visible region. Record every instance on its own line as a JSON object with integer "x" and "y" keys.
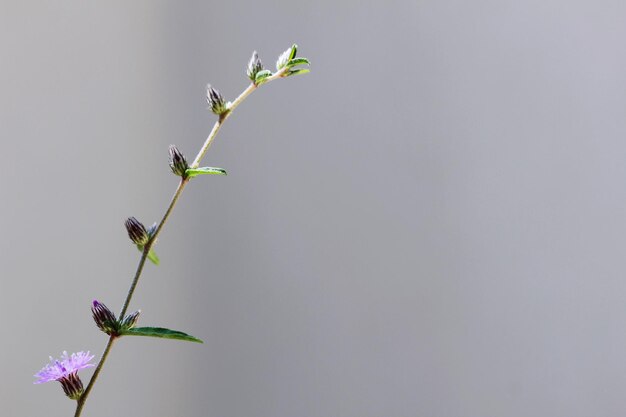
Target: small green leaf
{"x": 298, "y": 71}
{"x": 262, "y": 75}
{"x": 194, "y": 172}
{"x": 298, "y": 61}
{"x": 294, "y": 49}
{"x": 159, "y": 332}
{"x": 151, "y": 255}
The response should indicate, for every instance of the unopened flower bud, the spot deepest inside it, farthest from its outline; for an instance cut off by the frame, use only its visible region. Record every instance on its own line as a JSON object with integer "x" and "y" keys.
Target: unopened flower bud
{"x": 254, "y": 66}
{"x": 216, "y": 101}
{"x": 137, "y": 231}
{"x": 104, "y": 318}
{"x": 286, "y": 56}
{"x": 130, "y": 321}
{"x": 178, "y": 163}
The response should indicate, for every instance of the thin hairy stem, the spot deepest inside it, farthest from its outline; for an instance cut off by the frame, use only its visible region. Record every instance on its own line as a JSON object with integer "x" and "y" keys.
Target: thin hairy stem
{"x": 219, "y": 123}
{"x": 144, "y": 255}
{"x": 148, "y": 246}
{"x": 80, "y": 403}
{"x": 231, "y": 108}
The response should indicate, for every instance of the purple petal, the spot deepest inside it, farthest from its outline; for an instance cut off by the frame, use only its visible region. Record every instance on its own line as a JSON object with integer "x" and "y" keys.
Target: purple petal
{"x": 66, "y": 365}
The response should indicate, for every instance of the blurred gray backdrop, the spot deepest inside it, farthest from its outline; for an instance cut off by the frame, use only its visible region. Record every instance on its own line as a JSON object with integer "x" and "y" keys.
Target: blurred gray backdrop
{"x": 431, "y": 223}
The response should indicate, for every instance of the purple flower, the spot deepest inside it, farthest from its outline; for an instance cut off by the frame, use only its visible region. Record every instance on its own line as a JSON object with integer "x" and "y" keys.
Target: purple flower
{"x": 65, "y": 370}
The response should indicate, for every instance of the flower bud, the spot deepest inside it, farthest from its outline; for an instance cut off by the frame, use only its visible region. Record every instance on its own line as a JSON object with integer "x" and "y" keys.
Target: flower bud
{"x": 254, "y": 66}
{"x": 178, "y": 163}
{"x": 136, "y": 231}
{"x": 286, "y": 56}
{"x": 104, "y": 318}
{"x": 216, "y": 101}
{"x": 130, "y": 321}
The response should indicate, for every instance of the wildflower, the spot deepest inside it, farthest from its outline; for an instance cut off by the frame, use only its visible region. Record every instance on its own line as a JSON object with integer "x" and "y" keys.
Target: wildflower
{"x": 65, "y": 370}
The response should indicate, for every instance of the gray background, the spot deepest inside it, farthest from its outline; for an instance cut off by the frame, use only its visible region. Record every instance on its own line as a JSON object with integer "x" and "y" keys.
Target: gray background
{"x": 431, "y": 223}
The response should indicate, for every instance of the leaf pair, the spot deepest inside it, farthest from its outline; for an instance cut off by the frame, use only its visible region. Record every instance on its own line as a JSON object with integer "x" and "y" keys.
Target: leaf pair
{"x": 288, "y": 60}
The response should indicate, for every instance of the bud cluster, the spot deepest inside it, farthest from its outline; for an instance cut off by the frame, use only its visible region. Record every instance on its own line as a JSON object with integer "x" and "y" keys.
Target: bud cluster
{"x": 107, "y": 322}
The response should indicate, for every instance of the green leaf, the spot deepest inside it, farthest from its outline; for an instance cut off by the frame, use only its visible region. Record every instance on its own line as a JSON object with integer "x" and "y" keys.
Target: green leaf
{"x": 262, "y": 75}
{"x": 298, "y": 61}
{"x": 298, "y": 71}
{"x": 292, "y": 54}
{"x": 194, "y": 172}
{"x": 161, "y": 333}
{"x": 151, "y": 255}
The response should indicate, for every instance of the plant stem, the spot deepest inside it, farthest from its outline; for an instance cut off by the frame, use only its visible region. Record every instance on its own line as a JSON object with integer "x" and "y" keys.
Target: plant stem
{"x": 142, "y": 261}
{"x": 148, "y": 246}
{"x": 222, "y": 119}
{"x": 218, "y": 125}
{"x": 81, "y": 401}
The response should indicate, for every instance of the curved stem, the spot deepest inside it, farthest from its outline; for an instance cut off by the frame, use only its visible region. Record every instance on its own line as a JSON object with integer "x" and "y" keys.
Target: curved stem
{"x": 142, "y": 261}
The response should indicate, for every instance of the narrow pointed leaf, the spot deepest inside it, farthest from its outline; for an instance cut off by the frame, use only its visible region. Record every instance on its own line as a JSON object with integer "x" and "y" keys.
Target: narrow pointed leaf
{"x": 160, "y": 332}
{"x": 298, "y": 71}
{"x": 298, "y": 61}
{"x": 292, "y": 54}
{"x": 194, "y": 172}
{"x": 153, "y": 257}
